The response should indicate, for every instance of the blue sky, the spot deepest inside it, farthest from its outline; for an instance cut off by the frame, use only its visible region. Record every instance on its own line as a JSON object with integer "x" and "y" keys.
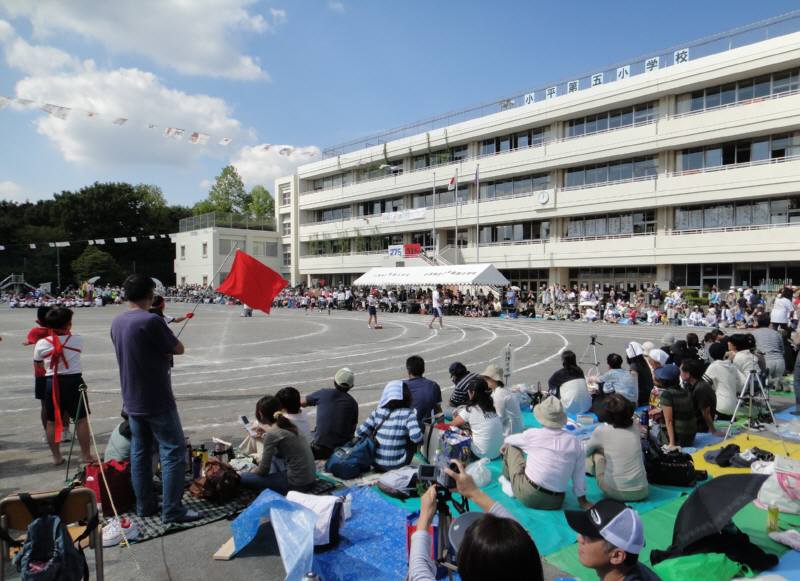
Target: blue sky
{"x": 305, "y": 74}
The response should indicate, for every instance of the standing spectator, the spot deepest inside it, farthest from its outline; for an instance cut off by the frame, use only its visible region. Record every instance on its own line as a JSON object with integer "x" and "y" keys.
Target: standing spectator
{"x": 460, "y": 376}
{"x": 770, "y": 343}
{"x": 782, "y": 310}
{"x": 337, "y": 414}
{"x": 614, "y": 452}
{"x": 426, "y": 396}
{"x": 640, "y": 371}
{"x": 372, "y": 309}
{"x": 554, "y": 457}
{"x": 143, "y": 344}
{"x": 725, "y": 380}
{"x": 395, "y": 425}
{"x": 505, "y": 403}
{"x": 59, "y": 356}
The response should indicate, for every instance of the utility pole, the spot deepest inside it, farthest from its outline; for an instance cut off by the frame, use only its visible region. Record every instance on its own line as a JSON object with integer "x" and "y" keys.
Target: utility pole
{"x": 58, "y": 268}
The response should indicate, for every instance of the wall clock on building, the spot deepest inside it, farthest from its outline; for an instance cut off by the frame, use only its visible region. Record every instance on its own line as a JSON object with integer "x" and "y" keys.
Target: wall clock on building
{"x": 544, "y": 197}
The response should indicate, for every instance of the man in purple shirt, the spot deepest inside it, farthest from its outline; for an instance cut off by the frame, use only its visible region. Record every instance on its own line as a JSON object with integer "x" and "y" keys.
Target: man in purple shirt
{"x": 144, "y": 347}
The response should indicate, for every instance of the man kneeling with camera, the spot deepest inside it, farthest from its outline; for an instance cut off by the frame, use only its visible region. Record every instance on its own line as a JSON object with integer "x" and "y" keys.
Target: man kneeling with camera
{"x": 487, "y": 545}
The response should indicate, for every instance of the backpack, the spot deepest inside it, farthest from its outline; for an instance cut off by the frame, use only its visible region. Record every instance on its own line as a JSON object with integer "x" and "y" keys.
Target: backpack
{"x": 118, "y": 476}
{"x": 220, "y": 483}
{"x": 672, "y": 469}
{"x": 48, "y": 552}
{"x": 353, "y": 459}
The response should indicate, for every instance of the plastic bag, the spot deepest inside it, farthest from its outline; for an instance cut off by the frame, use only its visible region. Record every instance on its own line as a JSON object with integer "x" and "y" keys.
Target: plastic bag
{"x": 782, "y": 488}
{"x": 480, "y": 473}
{"x": 706, "y": 566}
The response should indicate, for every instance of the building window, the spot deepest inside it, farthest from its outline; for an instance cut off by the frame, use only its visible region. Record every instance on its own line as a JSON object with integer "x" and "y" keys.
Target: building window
{"x": 205, "y": 280}
{"x": 183, "y": 281}
{"x": 741, "y": 91}
{"x": 738, "y": 152}
{"x": 514, "y": 187}
{"x": 530, "y": 138}
{"x": 183, "y": 252}
{"x": 258, "y": 247}
{"x": 444, "y": 197}
{"x": 377, "y": 207}
{"x": 286, "y": 195}
{"x": 226, "y": 245}
{"x": 334, "y": 214}
{"x": 287, "y": 258}
{"x": 625, "y": 117}
{"x": 205, "y": 249}
{"x": 286, "y": 226}
{"x": 627, "y": 224}
{"x": 515, "y": 232}
{"x": 740, "y": 214}
{"x": 424, "y": 238}
{"x": 624, "y": 170}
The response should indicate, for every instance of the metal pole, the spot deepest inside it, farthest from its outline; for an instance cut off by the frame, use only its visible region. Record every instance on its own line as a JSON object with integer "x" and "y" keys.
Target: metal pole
{"x": 455, "y": 191}
{"x": 477, "y": 214}
{"x": 233, "y": 247}
{"x": 58, "y": 267}
{"x": 435, "y": 240}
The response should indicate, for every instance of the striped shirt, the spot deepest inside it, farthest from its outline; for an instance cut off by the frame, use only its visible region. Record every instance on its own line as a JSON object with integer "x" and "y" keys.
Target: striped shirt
{"x": 398, "y": 427}
{"x": 460, "y": 396}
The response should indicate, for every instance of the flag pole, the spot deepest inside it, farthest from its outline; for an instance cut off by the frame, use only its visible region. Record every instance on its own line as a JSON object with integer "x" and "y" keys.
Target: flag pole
{"x": 435, "y": 240}
{"x": 477, "y": 214}
{"x": 455, "y": 192}
{"x": 212, "y": 280}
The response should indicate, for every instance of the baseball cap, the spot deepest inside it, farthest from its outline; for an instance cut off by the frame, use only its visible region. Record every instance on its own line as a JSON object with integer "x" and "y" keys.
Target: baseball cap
{"x": 344, "y": 377}
{"x": 459, "y": 526}
{"x": 668, "y": 373}
{"x": 611, "y": 520}
{"x": 457, "y": 368}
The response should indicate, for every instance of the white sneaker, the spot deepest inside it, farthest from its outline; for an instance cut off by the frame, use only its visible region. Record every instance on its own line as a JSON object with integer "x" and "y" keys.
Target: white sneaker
{"x": 113, "y": 531}
{"x": 505, "y": 486}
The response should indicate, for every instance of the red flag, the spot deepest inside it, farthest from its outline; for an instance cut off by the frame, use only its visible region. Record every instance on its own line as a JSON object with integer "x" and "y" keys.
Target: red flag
{"x": 252, "y": 282}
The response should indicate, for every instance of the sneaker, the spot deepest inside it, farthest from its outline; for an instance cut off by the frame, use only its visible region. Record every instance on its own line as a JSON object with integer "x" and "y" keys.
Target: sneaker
{"x": 188, "y": 516}
{"x": 119, "y": 529}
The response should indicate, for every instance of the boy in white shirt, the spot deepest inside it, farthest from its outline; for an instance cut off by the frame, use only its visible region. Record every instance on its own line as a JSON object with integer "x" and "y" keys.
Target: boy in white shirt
{"x": 60, "y": 356}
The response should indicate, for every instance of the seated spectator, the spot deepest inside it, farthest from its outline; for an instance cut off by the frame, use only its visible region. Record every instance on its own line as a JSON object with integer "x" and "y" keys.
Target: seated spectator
{"x": 493, "y": 545}
{"x": 281, "y": 438}
{"x": 677, "y": 420}
{"x": 505, "y": 403}
{"x": 640, "y": 371}
{"x": 618, "y": 380}
{"x": 395, "y": 425}
{"x": 426, "y": 396}
{"x": 569, "y": 370}
{"x": 741, "y": 347}
{"x": 610, "y": 538}
{"x": 614, "y": 452}
{"x": 119, "y": 442}
{"x": 483, "y": 422}
{"x": 337, "y": 414}
{"x": 703, "y": 398}
{"x": 554, "y": 457}
{"x": 725, "y": 380}
{"x": 291, "y": 408}
{"x": 460, "y": 376}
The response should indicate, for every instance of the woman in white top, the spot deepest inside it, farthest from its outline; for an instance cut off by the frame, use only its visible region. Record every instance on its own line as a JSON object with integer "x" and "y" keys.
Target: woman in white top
{"x": 782, "y": 309}
{"x": 614, "y": 453}
{"x": 743, "y": 359}
{"x": 725, "y": 379}
{"x": 484, "y": 424}
{"x": 505, "y": 403}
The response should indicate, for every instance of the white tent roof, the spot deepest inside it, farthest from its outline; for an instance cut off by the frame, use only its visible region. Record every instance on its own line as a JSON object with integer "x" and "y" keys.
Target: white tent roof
{"x": 455, "y": 274}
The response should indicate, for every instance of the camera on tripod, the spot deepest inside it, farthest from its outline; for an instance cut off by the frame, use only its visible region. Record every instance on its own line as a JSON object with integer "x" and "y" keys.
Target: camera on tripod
{"x": 593, "y": 340}
{"x": 433, "y": 474}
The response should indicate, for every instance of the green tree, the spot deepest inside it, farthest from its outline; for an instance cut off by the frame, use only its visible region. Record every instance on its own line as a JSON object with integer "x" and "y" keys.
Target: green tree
{"x": 151, "y": 195}
{"x": 95, "y": 262}
{"x": 226, "y": 195}
{"x": 261, "y": 203}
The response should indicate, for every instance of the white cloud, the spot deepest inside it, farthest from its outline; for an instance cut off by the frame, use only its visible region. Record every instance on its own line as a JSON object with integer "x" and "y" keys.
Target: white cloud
{"x": 336, "y": 5}
{"x": 258, "y": 166}
{"x": 206, "y": 184}
{"x": 136, "y": 95}
{"x": 32, "y": 59}
{"x": 195, "y": 38}
{"x": 14, "y": 192}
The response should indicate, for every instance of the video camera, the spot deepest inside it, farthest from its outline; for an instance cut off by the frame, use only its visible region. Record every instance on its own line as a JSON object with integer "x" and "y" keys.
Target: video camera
{"x": 433, "y": 474}
{"x": 593, "y": 340}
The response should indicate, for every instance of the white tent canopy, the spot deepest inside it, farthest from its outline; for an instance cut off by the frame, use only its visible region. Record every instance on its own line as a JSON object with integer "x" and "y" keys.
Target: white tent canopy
{"x": 454, "y": 274}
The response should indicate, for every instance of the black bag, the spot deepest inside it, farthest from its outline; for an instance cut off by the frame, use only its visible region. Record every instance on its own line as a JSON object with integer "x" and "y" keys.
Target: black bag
{"x": 672, "y": 469}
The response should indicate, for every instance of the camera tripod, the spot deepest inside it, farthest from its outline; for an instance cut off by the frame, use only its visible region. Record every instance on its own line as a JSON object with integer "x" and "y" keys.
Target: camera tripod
{"x": 444, "y": 557}
{"x": 591, "y": 351}
{"x": 753, "y": 389}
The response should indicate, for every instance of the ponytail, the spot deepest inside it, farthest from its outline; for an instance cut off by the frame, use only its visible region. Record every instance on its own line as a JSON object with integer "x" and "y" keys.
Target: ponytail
{"x": 268, "y": 411}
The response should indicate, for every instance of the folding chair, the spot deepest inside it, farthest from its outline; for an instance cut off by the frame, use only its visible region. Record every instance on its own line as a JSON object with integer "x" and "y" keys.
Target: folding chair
{"x": 81, "y": 504}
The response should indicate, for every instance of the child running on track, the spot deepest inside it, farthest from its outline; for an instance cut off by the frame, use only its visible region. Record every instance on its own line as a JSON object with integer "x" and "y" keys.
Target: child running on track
{"x": 437, "y": 307}
{"x": 372, "y": 309}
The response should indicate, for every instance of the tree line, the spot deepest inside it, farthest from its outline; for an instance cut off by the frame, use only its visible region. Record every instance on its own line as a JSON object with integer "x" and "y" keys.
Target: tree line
{"x": 107, "y": 211}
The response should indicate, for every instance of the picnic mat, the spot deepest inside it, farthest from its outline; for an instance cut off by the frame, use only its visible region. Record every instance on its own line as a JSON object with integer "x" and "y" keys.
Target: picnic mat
{"x": 151, "y": 527}
{"x": 658, "y": 525}
{"x": 744, "y": 441}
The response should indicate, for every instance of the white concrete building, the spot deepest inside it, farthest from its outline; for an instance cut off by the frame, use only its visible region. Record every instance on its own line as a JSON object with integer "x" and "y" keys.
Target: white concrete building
{"x": 203, "y": 242}
{"x": 680, "y": 168}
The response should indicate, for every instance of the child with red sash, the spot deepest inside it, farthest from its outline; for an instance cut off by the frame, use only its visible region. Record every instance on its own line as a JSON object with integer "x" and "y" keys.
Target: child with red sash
{"x": 59, "y": 354}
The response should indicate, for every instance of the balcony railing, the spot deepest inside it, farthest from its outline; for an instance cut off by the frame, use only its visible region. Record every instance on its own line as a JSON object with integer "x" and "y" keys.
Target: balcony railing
{"x": 605, "y": 237}
{"x": 225, "y": 220}
{"x": 731, "y": 166}
{"x": 675, "y": 232}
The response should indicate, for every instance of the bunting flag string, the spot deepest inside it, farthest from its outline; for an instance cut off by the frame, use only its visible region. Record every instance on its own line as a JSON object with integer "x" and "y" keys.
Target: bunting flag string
{"x": 92, "y": 242}
{"x": 62, "y": 112}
